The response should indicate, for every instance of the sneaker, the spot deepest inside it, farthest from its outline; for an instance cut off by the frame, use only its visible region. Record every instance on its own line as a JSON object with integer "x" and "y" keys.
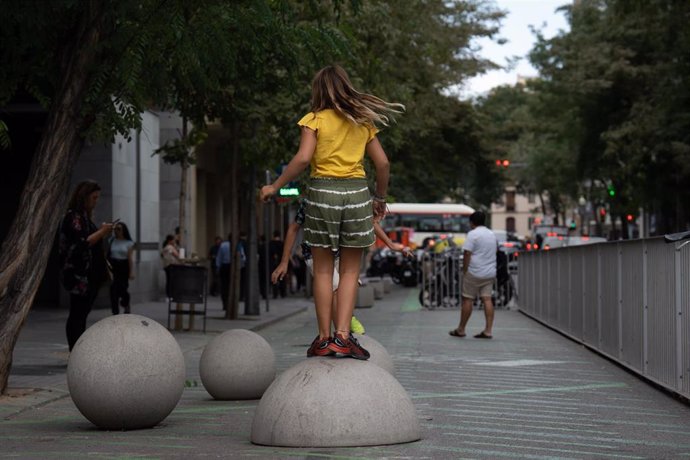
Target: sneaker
{"x": 357, "y": 351}
{"x": 349, "y": 347}
{"x": 320, "y": 347}
{"x": 356, "y": 326}
{"x": 339, "y": 345}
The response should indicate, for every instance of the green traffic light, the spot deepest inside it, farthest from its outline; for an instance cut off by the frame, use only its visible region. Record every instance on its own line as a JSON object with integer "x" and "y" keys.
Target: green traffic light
{"x": 612, "y": 192}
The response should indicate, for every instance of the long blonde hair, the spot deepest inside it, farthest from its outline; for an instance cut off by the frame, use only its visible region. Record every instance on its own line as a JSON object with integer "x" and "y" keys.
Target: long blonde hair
{"x": 332, "y": 89}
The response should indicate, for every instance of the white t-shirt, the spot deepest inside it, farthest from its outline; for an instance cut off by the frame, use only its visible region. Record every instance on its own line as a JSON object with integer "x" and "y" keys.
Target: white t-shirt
{"x": 482, "y": 243}
{"x": 119, "y": 249}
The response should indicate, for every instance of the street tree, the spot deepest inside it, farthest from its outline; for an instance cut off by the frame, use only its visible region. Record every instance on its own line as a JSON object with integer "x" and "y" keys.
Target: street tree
{"x": 95, "y": 65}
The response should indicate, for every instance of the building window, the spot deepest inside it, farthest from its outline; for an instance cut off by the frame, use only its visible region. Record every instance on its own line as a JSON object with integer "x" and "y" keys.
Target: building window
{"x": 510, "y": 201}
{"x": 530, "y": 198}
{"x": 510, "y": 224}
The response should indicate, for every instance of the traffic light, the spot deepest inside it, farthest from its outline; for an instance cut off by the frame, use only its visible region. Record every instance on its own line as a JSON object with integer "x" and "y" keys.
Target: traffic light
{"x": 612, "y": 190}
{"x": 630, "y": 218}
{"x": 602, "y": 214}
{"x": 572, "y": 225}
{"x": 504, "y": 163}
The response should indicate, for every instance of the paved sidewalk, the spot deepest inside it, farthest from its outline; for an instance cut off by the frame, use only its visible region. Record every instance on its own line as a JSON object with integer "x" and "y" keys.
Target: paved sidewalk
{"x": 528, "y": 393}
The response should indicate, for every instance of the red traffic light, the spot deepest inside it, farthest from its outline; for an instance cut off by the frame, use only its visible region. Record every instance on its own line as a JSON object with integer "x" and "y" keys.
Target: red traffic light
{"x": 505, "y": 163}
{"x": 602, "y": 212}
{"x": 630, "y": 217}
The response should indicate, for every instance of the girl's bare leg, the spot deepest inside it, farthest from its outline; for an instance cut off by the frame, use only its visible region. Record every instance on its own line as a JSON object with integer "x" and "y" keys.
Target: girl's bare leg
{"x": 323, "y": 288}
{"x": 350, "y": 259}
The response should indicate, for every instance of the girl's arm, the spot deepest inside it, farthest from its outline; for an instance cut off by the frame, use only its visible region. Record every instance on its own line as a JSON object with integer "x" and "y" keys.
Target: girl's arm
{"x": 299, "y": 162}
{"x": 382, "y": 166}
{"x": 290, "y": 237}
{"x": 390, "y": 243}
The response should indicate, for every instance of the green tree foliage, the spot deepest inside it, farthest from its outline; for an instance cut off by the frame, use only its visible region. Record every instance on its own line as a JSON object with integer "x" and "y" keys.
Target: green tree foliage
{"x": 435, "y": 147}
{"x": 412, "y": 52}
{"x": 616, "y": 86}
{"x": 95, "y": 65}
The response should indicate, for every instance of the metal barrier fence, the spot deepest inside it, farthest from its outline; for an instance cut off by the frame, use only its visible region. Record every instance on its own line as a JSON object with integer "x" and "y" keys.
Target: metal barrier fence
{"x": 629, "y": 300}
{"x": 442, "y": 282}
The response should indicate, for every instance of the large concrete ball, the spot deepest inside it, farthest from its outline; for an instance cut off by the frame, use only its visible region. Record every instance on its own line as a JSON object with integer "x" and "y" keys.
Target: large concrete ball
{"x": 237, "y": 364}
{"x": 126, "y": 372}
{"x": 379, "y": 355}
{"x": 330, "y": 402}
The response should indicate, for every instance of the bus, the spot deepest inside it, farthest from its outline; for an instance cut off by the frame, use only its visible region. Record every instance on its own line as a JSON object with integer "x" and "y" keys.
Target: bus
{"x": 423, "y": 220}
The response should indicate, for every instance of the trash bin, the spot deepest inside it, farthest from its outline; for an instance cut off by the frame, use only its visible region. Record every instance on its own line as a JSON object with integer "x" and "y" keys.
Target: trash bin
{"x": 186, "y": 284}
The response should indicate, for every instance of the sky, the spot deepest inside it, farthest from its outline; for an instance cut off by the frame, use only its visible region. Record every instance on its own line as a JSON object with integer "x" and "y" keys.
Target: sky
{"x": 515, "y": 28}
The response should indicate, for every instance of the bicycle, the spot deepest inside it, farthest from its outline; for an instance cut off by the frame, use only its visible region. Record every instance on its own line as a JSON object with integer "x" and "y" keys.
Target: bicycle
{"x": 441, "y": 286}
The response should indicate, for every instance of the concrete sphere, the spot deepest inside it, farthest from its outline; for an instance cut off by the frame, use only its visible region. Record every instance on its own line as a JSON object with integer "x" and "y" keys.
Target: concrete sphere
{"x": 379, "y": 355}
{"x": 237, "y": 364}
{"x": 331, "y": 402}
{"x": 126, "y": 372}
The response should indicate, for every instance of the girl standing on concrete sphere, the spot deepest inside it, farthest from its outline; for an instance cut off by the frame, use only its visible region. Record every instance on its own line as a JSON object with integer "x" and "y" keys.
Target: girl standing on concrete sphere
{"x": 340, "y": 208}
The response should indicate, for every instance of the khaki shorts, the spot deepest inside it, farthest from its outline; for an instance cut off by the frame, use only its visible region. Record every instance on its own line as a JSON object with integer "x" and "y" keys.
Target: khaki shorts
{"x": 336, "y": 275}
{"x": 473, "y": 286}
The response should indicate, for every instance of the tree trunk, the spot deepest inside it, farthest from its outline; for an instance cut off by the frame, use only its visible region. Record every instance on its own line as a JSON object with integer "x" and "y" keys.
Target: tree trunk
{"x": 233, "y": 300}
{"x": 184, "y": 168}
{"x": 28, "y": 243}
{"x": 251, "y": 306}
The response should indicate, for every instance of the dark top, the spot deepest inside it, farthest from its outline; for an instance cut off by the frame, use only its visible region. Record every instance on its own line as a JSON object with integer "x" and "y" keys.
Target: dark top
{"x": 83, "y": 266}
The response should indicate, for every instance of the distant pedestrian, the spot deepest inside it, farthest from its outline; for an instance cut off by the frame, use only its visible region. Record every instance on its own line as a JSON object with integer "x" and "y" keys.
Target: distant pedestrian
{"x": 120, "y": 256}
{"x": 243, "y": 250}
{"x": 170, "y": 256}
{"x": 169, "y": 253}
{"x": 223, "y": 261}
{"x": 212, "y": 253}
{"x": 82, "y": 256}
{"x": 479, "y": 273}
{"x": 340, "y": 215}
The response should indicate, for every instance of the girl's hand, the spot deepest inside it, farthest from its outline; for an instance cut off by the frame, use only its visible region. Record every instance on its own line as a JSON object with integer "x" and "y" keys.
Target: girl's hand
{"x": 267, "y": 191}
{"x": 398, "y": 247}
{"x": 279, "y": 273}
{"x": 379, "y": 210}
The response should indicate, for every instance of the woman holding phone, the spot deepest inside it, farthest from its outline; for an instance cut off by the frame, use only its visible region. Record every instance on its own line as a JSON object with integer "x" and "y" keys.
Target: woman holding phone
{"x": 82, "y": 257}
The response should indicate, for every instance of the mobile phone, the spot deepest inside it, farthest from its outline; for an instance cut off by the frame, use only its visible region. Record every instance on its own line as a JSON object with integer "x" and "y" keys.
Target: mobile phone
{"x": 115, "y": 221}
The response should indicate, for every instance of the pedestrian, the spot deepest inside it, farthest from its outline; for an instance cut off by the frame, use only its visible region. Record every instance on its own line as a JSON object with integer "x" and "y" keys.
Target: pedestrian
{"x": 340, "y": 216}
{"x": 170, "y": 256}
{"x": 479, "y": 273}
{"x": 243, "y": 250}
{"x": 82, "y": 256}
{"x": 169, "y": 253}
{"x": 293, "y": 229}
{"x": 275, "y": 252}
{"x": 223, "y": 261}
{"x": 120, "y": 256}
{"x": 212, "y": 253}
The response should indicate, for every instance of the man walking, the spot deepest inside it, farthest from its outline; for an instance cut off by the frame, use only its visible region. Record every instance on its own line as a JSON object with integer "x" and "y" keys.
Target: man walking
{"x": 479, "y": 273}
{"x": 223, "y": 261}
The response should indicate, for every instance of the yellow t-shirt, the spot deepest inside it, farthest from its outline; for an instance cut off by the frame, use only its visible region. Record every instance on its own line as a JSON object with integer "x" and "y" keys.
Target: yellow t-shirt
{"x": 340, "y": 144}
